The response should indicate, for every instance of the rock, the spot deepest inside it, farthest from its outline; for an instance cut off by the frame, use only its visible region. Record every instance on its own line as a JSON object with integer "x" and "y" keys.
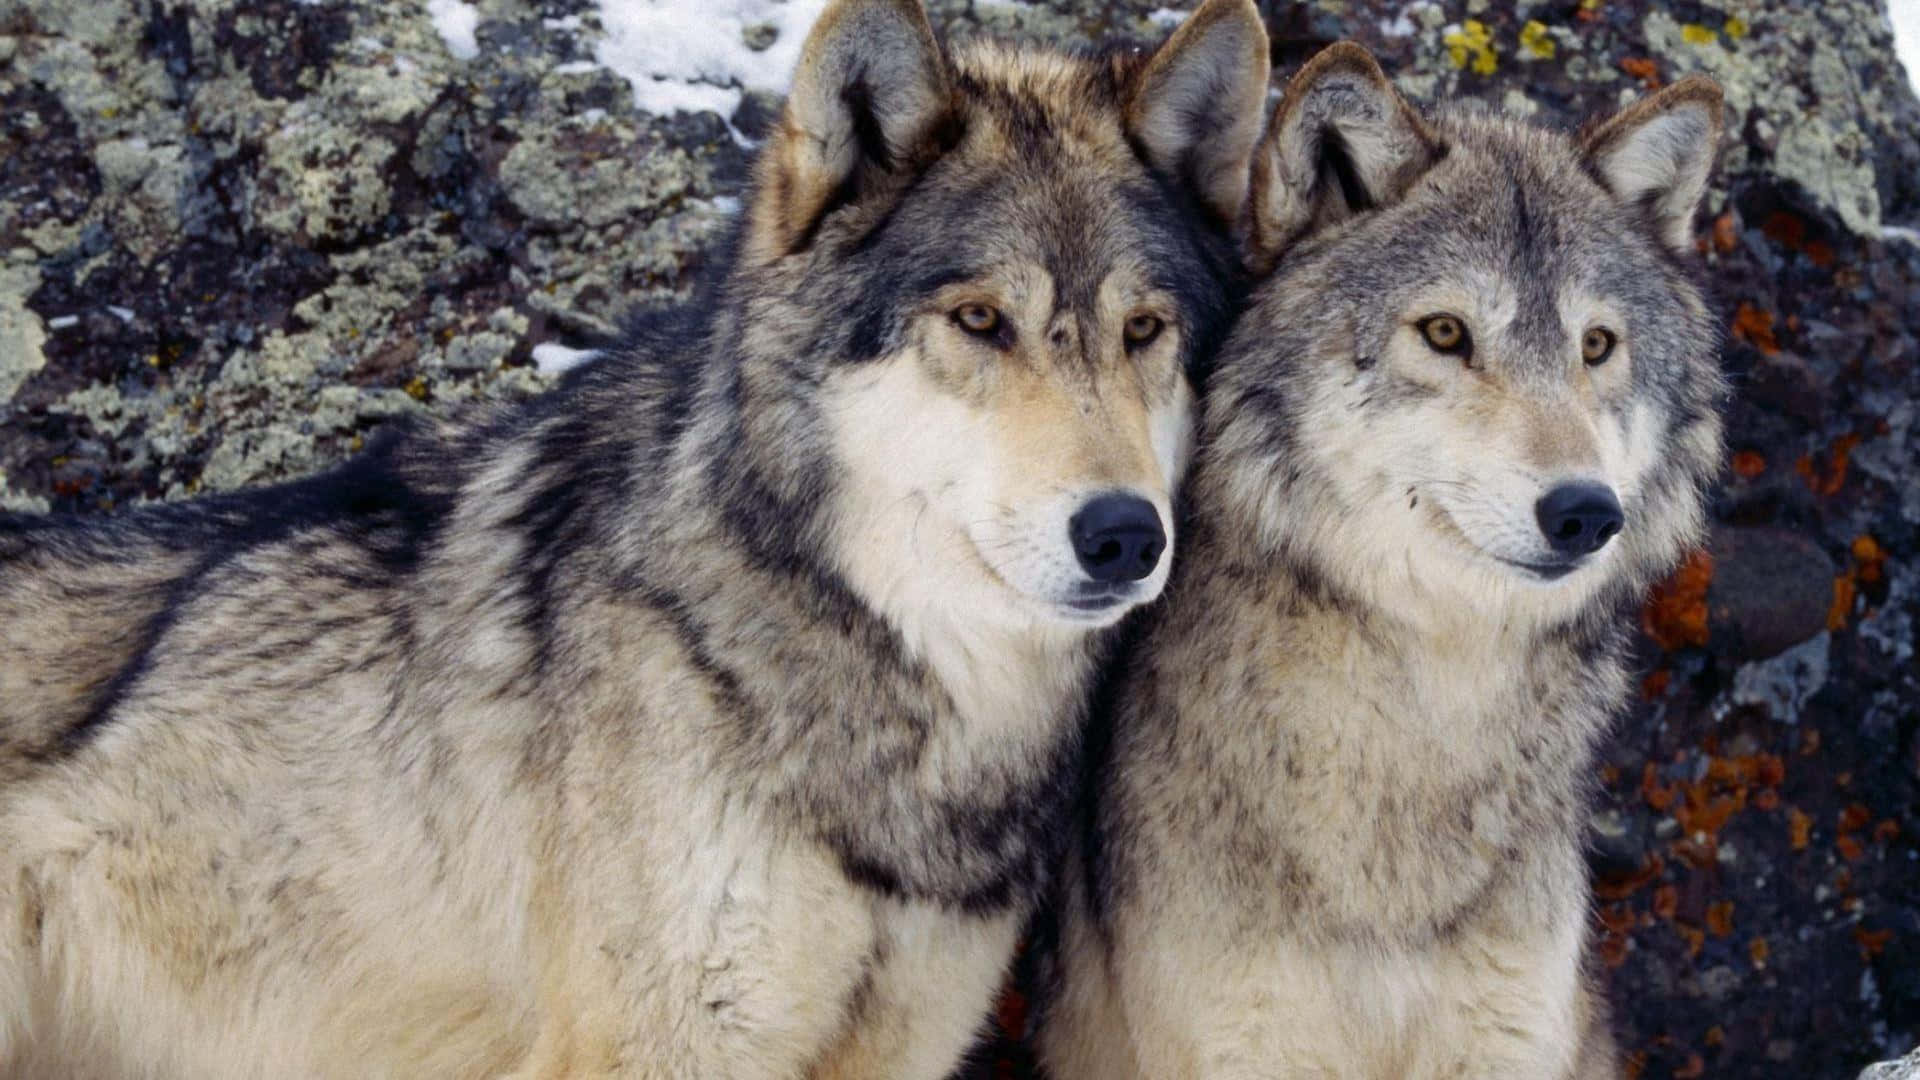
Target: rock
{"x": 21, "y": 331}
{"x": 1907, "y": 1068}
{"x": 1785, "y": 683}
{"x": 759, "y": 36}
{"x": 1772, "y": 589}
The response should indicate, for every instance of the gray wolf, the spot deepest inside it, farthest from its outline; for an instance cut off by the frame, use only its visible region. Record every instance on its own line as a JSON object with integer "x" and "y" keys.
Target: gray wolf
{"x": 1337, "y": 827}
{"x": 713, "y": 715}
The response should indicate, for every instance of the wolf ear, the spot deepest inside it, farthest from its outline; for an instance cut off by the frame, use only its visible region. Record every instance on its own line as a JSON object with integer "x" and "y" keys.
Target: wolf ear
{"x": 1658, "y": 154}
{"x": 1197, "y": 105}
{"x": 870, "y": 90}
{"x": 1342, "y": 141}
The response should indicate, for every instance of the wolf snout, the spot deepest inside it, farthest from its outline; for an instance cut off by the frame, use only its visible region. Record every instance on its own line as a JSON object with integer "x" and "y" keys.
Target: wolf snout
{"x": 1579, "y": 519}
{"x": 1118, "y": 538}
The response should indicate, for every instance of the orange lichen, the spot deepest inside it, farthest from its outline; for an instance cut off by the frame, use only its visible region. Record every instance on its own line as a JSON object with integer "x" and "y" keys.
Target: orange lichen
{"x": 1787, "y": 230}
{"x": 1855, "y": 817}
{"x": 1747, "y": 464}
{"x": 1619, "y": 888}
{"x": 1720, "y": 918}
{"x": 1754, "y": 325}
{"x": 1837, "y": 464}
{"x": 1615, "y": 918}
{"x": 1644, "y": 69}
{"x": 1696, "y": 941}
{"x": 1886, "y": 831}
{"x": 1758, "y": 951}
{"x": 1869, "y": 557}
{"x": 1705, "y": 807}
{"x": 1666, "y": 901}
{"x": 1725, "y": 233}
{"x": 1799, "y": 829}
{"x": 1842, "y": 605}
{"x": 1849, "y": 848}
{"x": 1871, "y": 942}
{"x": 1658, "y": 796}
{"x": 1612, "y": 949}
{"x": 1654, "y": 686}
{"x": 1694, "y": 1068}
{"x": 1676, "y": 612}
{"x": 1768, "y": 799}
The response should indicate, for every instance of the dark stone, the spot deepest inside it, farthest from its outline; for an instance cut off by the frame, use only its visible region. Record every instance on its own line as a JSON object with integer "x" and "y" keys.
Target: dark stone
{"x": 1771, "y": 590}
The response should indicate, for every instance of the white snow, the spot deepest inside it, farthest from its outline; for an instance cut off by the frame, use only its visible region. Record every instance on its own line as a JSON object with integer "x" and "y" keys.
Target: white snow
{"x": 1906, "y": 36}
{"x": 691, "y": 55}
{"x": 1166, "y": 17}
{"x": 551, "y": 359}
{"x": 456, "y": 22}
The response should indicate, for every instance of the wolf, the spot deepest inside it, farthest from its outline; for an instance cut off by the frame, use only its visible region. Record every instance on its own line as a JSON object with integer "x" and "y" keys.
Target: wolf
{"x": 1336, "y": 828}
{"x": 712, "y": 715}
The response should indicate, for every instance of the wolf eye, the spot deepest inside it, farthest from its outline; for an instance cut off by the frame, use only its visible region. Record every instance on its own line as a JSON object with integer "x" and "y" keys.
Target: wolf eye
{"x": 1446, "y": 334}
{"x": 977, "y": 319}
{"x": 1142, "y": 329}
{"x": 1596, "y": 345}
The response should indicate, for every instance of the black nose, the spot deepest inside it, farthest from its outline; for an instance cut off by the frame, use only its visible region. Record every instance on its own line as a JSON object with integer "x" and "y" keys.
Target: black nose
{"x": 1579, "y": 519}
{"x": 1118, "y": 538}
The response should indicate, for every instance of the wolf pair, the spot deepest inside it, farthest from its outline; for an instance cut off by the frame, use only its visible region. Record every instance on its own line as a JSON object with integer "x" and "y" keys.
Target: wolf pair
{"x": 719, "y": 713}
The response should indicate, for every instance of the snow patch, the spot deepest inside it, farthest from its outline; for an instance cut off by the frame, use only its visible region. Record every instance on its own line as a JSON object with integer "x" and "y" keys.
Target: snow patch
{"x": 551, "y": 359}
{"x": 456, "y": 22}
{"x": 1905, "y": 15}
{"x": 693, "y": 55}
{"x": 1166, "y": 17}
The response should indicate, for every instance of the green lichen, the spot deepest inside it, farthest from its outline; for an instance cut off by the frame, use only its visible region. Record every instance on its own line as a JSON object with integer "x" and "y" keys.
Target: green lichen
{"x": 22, "y": 334}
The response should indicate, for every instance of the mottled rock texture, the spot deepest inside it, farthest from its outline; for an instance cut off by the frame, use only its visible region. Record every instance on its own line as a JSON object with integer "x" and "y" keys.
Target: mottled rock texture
{"x": 237, "y": 236}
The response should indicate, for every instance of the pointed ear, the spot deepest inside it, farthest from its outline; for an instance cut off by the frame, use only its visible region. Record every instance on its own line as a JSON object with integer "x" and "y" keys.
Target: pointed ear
{"x": 1658, "y": 153}
{"x": 869, "y": 93}
{"x": 1342, "y": 141}
{"x": 1197, "y": 105}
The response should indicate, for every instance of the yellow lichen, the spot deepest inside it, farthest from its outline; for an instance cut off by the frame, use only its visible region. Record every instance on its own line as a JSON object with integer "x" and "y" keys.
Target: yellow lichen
{"x": 1695, "y": 34}
{"x": 1471, "y": 45}
{"x": 1736, "y": 27}
{"x": 1534, "y": 39}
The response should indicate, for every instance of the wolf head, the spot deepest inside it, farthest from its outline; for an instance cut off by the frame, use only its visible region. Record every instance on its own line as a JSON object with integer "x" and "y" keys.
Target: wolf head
{"x": 973, "y": 283}
{"x": 1483, "y": 372}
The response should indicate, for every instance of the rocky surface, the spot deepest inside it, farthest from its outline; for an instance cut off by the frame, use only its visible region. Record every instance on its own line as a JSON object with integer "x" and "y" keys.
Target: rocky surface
{"x": 1907, "y": 1068}
{"x": 236, "y": 238}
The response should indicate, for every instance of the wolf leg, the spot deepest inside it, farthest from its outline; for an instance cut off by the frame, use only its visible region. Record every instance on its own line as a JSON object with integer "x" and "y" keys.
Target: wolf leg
{"x": 928, "y": 995}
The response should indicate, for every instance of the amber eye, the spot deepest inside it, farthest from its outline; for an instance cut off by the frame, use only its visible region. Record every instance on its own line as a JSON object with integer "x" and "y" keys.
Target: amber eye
{"x": 977, "y": 318}
{"x": 1142, "y": 329}
{"x": 1446, "y": 334}
{"x": 1596, "y": 345}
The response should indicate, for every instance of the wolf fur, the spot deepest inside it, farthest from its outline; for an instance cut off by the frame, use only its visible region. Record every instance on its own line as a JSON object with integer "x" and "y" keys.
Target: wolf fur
{"x": 1338, "y": 827}
{"x": 713, "y": 715}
